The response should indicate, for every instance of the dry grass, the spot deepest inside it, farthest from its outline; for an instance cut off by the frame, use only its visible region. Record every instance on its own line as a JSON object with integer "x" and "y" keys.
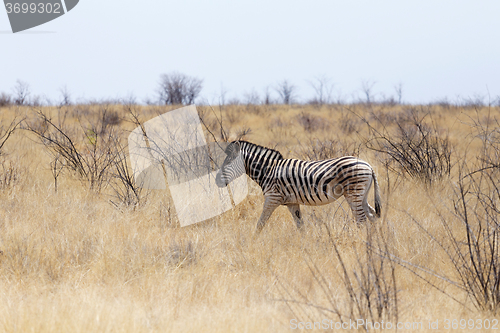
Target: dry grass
{"x": 73, "y": 262}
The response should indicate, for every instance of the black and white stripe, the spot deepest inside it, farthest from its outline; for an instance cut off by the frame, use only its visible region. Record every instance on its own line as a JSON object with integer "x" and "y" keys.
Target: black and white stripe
{"x": 293, "y": 182}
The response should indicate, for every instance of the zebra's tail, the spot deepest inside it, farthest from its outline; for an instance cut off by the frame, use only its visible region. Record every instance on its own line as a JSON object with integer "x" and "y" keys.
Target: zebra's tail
{"x": 378, "y": 205}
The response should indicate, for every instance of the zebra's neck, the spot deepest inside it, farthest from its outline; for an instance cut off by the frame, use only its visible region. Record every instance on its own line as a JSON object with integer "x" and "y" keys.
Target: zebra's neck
{"x": 257, "y": 160}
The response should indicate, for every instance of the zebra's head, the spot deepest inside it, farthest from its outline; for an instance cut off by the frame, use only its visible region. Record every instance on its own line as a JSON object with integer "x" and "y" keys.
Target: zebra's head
{"x": 232, "y": 167}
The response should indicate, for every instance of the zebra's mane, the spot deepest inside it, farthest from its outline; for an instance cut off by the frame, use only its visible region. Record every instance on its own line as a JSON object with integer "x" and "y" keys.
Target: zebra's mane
{"x": 277, "y": 155}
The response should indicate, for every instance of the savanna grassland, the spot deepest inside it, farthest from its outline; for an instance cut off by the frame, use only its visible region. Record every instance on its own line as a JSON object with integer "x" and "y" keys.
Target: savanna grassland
{"x": 83, "y": 252}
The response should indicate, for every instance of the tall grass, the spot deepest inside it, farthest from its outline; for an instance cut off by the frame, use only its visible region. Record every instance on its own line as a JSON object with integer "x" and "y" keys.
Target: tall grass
{"x": 73, "y": 261}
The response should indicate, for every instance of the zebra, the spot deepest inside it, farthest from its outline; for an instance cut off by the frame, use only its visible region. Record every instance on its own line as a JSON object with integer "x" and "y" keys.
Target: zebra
{"x": 293, "y": 182}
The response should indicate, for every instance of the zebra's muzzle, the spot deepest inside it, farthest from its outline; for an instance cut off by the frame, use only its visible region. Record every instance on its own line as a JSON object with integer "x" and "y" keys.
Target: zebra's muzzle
{"x": 219, "y": 180}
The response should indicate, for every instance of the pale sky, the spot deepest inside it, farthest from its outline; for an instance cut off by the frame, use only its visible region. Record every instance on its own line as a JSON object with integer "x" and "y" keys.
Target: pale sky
{"x": 112, "y": 49}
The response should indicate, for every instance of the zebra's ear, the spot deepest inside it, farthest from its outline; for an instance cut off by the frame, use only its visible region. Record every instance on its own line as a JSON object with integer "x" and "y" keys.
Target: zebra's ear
{"x": 233, "y": 149}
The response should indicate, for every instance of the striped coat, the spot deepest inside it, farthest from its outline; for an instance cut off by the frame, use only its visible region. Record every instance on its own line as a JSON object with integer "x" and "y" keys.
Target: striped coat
{"x": 293, "y": 182}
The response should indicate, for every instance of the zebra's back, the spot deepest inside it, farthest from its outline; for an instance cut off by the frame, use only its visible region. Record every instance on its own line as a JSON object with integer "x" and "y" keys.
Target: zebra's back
{"x": 319, "y": 182}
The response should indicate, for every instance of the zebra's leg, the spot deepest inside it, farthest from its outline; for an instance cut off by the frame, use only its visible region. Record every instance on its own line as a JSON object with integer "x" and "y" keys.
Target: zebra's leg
{"x": 355, "y": 197}
{"x": 355, "y": 202}
{"x": 297, "y": 216}
{"x": 269, "y": 207}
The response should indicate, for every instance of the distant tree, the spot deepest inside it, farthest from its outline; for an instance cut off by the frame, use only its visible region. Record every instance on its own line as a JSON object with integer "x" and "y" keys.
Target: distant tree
{"x": 178, "y": 88}
{"x": 287, "y": 92}
{"x": 5, "y": 99}
{"x": 233, "y": 101}
{"x": 399, "y": 91}
{"x": 38, "y": 100}
{"x": 251, "y": 98}
{"x": 323, "y": 88}
{"x": 65, "y": 96}
{"x": 21, "y": 93}
{"x": 267, "y": 96}
{"x": 367, "y": 87}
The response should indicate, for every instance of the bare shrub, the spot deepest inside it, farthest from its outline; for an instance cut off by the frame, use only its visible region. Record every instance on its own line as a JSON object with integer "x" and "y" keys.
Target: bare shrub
{"x": 21, "y": 93}
{"x": 475, "y": 102}
{"x": 399, "y": 92}
{"x": 488, "y": 131}
{"x": 477, "y": 207}
{"x": 472, "y": 241}
{"x": 110, "y": 118}
{"x": 387, "y": 100}
{"x": 233, "y": 115}
{"x": 65, "y": 96}
{"x": 323, "y": 88}
{"x": 176, "y": 88}
{"x": 183, "y": 253}
{"x": 316, "y": 149}
{"x": 56, "y": 168}
{"x": 286, "y": 91}
{"x": 347, "y": 123}
{"x": 312, "y": 123}
{"x": 252, "y": 104}
{"x": 6, "y": 131}
{"x": 251, "y": 98}
{"x": 220, "y": 130}
{"x": 242, "y": 133}
{"x": 87, "y": 150}
{"x": 80, "y": 111}
{"x": 417, "y": 148}
{"x": 444, "y": 103}
{"x": 280, "y": 129}
{"x": 476, "y": 259}
{"x": 38, "y": 101}
{"x": 267, "y": 98}
{"x": 496, "y": 101}
{"x": 371, "y": 287}
{"x": 9, "y": 174}
{"x": 233, "y": 101}
{"x": 5, "y": 100}
{"x": 367, "y": 88}
{"x": 214, "y": 124}
{"x": 367, "y": 292}
{"x": 125, "y": 190}
{"x": 471, "y": 224}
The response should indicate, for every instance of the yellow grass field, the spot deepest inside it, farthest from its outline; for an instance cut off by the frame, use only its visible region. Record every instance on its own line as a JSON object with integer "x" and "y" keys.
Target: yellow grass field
{"x": 74, "y": 261}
